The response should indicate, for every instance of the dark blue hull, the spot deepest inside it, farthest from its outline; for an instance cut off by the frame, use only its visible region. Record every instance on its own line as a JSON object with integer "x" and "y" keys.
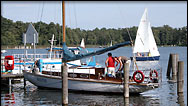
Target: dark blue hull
{"x": 154, "y": 58}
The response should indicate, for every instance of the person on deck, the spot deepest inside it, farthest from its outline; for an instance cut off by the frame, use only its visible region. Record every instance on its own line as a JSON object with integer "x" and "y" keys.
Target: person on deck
{"x": 110, "y": 64}
{"x": 138, "y": 54}
{"x": 121, "y": 60}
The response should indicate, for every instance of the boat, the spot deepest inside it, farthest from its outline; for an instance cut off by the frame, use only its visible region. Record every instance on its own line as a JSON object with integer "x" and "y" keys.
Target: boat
{"x": 26, "y": 61}
{"x": 111, "y": 43}
{"x": 145, "y": 48}
{"x": 82, "y": 44}
{"x": 89, "y": 77}
{"x": 92, "y": 80}
{"x": 3, "y": 51}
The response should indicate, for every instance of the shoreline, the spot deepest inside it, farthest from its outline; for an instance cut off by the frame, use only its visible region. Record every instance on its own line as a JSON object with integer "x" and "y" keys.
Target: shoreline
{"x": 87, "y": 46}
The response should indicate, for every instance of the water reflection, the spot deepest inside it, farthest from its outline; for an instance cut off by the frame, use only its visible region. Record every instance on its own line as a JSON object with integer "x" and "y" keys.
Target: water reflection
{"x": 166, "y": 95}
{"x": 126, "y": 101}
{"x": 53, "y": 97}
{"x": 40, "y": 97}
{"x": 181, "y": 99}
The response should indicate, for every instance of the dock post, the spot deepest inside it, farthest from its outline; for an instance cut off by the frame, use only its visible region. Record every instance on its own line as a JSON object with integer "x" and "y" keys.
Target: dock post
{"x": 126, "y": 84}
{"x": 181, "y": 99}
{"x": 169, "y": 66}
{"x": 177, "y": 60}
{"x": 174, "y": 66}
{"x": 180, "y": 79}
{"x": 10, "y": 85}
{"x": 174, "y": 62}
{"x": 24, "y": 83}
{"x": 64, "y": 76}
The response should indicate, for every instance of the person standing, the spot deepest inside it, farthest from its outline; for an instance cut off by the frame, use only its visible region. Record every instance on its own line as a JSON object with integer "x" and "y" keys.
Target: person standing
{"x": 122, "y": 60}
{"x": 110, "y": 64}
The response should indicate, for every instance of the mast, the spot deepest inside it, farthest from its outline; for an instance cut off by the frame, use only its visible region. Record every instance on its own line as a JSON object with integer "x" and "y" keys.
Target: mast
{"x": 64, "y": 68}
{"x": 63, "y": 24}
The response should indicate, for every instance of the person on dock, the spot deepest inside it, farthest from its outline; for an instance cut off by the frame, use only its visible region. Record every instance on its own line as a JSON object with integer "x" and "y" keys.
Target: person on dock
{"x": 110, "y": 64}
{"x": 122, "y": 60}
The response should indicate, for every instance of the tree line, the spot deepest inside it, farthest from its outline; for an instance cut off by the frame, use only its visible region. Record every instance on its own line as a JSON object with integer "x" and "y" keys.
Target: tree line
{"x": 11, "y": 34}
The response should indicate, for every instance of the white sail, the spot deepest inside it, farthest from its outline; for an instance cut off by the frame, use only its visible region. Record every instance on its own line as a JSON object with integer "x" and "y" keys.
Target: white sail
{"x": 152, "y": 44}
{"x": 145, "y": 41}
{"x": 82, "y": 43}
{"x": 111, "y": 43}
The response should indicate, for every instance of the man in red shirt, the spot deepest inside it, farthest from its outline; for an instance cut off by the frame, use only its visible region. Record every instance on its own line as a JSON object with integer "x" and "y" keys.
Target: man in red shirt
{"x": 110, "y": 64}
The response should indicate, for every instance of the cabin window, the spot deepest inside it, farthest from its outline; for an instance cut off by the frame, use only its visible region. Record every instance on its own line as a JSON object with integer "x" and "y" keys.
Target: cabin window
{"x": 53, "y": 66}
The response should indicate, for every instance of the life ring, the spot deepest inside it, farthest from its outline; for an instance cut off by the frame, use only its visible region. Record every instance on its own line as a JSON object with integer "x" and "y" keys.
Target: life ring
{"x": 151, "y": 74}
{"x": 9, "y": 62}
{"x": 138, "y": 80}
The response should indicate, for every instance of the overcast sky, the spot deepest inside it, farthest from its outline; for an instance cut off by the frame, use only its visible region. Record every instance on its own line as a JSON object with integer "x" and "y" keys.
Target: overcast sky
{"x": 92, "y": 14}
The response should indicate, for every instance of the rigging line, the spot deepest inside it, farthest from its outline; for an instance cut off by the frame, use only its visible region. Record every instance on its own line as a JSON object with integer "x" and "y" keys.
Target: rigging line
{"x": 141, "y": 41}
{"x": 75, "y": 13}
{"x": 68, "y": 5}
{"x": 60, "y": 26}
{"x": 55, "y": 20}
{"x": 128, "y": 34}
{"x": 41, "y": 17}
{"x": 55, "y": 16}
{"x": 124, "y": 23}
{"x": 38, "y": 11}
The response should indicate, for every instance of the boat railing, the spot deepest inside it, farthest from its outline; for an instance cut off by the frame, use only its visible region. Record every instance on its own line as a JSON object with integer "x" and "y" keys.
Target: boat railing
{"x": 37, "y": 56}
{"x": 29, "y": 56}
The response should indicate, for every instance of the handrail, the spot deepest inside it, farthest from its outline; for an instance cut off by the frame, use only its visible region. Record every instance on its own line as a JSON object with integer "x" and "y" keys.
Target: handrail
{"x": 29, "y": 56}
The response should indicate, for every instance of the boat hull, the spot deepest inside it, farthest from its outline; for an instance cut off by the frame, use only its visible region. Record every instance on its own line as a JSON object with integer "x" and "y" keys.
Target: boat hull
{"x": 78, "y": 84}
{"x": 153, "y": 58}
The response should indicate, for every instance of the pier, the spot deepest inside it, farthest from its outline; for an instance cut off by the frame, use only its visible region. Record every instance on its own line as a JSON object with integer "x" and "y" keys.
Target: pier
{"x": 6, "y": 77}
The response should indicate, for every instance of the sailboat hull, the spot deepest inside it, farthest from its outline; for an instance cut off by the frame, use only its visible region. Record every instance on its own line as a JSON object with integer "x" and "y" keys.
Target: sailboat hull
{"x": 153, "y": 58}
{"x": 75, "y": 84}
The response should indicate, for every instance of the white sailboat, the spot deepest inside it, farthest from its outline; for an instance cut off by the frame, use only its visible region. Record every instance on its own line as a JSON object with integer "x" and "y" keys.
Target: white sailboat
{"x": 145, "y": 46}
{"x": 111, "y": 43}
{"x": 82, "y": 44}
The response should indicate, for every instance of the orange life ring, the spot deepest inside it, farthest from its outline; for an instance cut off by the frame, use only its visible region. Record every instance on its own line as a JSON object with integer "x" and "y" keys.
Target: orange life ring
{"x": 138, "y": 80}
{"x": 151, "y": 74}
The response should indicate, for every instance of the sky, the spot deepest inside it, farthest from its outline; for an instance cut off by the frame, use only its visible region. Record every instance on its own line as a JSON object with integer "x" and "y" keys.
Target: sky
{"x": 91, "y": 14}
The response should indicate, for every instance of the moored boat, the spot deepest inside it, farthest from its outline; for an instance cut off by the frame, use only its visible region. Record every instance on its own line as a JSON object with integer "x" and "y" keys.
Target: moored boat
{"x": 92, "y": 79}
{"x": 89, "y": 77}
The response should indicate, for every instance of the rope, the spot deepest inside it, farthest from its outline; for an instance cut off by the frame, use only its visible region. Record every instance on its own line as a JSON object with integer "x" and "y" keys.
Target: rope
{"x": 134, "y": 60}
{"x": 41, "y": 17}
{"x": 75, "y": 14}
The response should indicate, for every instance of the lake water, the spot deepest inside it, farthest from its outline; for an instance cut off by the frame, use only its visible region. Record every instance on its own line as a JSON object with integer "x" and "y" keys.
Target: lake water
{"x": 165, "y": 95}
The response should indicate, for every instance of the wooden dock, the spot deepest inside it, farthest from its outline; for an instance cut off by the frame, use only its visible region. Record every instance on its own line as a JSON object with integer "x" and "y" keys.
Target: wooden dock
{"x": 12, "y": 76}
{"x": 7, "y": 79}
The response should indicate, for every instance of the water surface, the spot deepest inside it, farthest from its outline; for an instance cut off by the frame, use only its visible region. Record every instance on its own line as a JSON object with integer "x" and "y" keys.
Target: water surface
{"x": 165, "y": 95}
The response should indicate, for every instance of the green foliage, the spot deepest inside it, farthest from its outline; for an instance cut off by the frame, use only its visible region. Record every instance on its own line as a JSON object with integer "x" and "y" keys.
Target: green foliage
{"x": 11, "y": 34}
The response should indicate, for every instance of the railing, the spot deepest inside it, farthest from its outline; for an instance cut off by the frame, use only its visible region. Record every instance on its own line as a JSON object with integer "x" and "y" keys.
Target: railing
{"x": 38, "y": 56}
